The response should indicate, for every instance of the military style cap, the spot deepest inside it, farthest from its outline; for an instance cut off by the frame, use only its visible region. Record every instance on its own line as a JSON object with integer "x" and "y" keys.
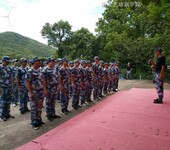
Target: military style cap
{"x": 76, "y": 61}
{"x": 35, "y": 59}
{"x": 96, "y": 57}
{"x": 6, "y": 58}
{"x": 15, "y": 60}
{"x": 50, "y": 59}
{"x": 83, "y": 62}
{"x": 64, "y": 59}
{"x": 23, "y": 60}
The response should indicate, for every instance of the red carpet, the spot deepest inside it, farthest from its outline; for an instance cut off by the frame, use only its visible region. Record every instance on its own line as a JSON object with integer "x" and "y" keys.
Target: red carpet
{"x": 127, "y": 120}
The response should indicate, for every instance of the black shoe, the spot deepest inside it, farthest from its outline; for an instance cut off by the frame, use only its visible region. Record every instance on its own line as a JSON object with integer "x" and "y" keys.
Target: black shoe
{"x": 50, "y": 118}
{"x": 158, "y": 101}
{"x": 75, "y": 107}
{"x": 36, "y": 126}
{"x": 27, "y": 110}
{"x": 68, "y": 111}
{"x": 22, "y": 112}
{"x": 42, "y": 123}
{"x": 63, "y": 110}
{"x": 10, "y": 116}
{"x": 101, "y": 96}
{"x": 3, "y": 119}
{"x": 56, "y": 116}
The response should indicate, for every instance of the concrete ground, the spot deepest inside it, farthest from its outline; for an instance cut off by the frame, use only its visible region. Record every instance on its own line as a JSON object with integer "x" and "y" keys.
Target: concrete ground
{"x": 16, "y": 132}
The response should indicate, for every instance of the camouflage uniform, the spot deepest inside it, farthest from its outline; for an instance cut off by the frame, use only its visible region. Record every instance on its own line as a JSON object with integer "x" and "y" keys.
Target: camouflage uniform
{"x": 89, "y": 83}
{"x": 95, "y": 68}
{"x": 5, "y": 88}
{"x": 83, "y": 87}
{"x": 75, "y": 74}
{"x": 34, "y": 77}
{"x": 15, "y": 93}
{"x": 64, "y": 76}
{"x": 51, "y": 79}
{"x": 101, "y": 79}
{"x": 23, "y": 93}
{"x": 116, "y": 75}
{"x": 106, "y": 78}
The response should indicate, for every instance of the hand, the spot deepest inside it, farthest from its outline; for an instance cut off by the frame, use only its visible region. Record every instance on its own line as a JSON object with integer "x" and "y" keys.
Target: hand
{"x": 161, "y": 77}
{"x": 31, "y": 95}
{"x": 150, "y": 61}
{"x": 45, "y": 92}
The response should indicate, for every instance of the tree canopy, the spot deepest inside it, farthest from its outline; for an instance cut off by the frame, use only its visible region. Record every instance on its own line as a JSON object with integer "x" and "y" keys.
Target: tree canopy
{"x": 128, "y": 31}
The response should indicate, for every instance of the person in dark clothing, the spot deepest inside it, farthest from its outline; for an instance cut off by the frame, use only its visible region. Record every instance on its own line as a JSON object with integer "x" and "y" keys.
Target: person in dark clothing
{"x": 159, "y": 71}
{"x": 128, "y": 71}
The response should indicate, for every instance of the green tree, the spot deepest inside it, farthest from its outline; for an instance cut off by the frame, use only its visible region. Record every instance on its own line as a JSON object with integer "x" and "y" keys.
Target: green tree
{"x": 58, "y": 36}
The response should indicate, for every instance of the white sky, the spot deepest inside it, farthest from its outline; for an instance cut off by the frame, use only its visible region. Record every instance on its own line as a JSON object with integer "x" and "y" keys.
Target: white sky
{"x": 28, "y": 16}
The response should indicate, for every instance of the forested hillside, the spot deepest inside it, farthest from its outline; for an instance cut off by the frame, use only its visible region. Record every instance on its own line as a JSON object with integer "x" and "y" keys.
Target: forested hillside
{"x": 16, "y": 46}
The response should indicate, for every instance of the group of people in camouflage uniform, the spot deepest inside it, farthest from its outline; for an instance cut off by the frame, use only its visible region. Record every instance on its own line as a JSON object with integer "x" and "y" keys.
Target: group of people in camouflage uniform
{"x": 59, "y": 80}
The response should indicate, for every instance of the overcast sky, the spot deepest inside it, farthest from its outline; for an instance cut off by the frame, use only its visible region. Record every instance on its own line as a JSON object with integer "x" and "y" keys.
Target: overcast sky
{"x": 27, "y": 17}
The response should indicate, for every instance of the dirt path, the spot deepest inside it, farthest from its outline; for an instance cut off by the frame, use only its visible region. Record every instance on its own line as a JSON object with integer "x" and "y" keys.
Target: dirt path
{"x": 16, "y": 132}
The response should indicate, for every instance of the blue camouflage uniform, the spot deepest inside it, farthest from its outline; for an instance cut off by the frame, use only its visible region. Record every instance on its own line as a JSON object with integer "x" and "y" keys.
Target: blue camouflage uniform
{"x": 83, "y": 87}
{"x": 106, "y": 79}
{"x": 15, "y": 94}
{"x": 95, "y": 68}
{"x": 23, "y": 92}
{"x": 64, "y": 75}
{"x": 51, "y": 79}
{"x": 101, "y": 79}
{"x": 34, "y": 77}
{"x": 5, "y": 88}
{"x": 75, "y": 73}
{"x": 89, "y": 83}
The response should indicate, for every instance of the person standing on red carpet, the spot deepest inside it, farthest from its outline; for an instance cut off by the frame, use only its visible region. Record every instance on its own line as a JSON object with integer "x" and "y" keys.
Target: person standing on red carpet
{"x": 159, "y": 74}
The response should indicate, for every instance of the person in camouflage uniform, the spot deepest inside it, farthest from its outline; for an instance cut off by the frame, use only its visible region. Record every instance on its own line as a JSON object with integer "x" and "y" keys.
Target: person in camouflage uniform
{"x": 50, "y": 83}
{"x": 106, "y": 78}
{"x": 70, "y": 67}
{"x": 89, "y": 81}
{"x": 5, "y": 88}
{"x": 21, "y": 84}
{"x": 34, "y": 82}
{"x": 83, "y": 83}
{"x": 117, "y": 71}
{"x": 95, "y": 68}
{"x": 15, "y": 94}
{"x": 64, "y": 84}
{"x": 75, "y": 81}
{"x": 101, "y": 79}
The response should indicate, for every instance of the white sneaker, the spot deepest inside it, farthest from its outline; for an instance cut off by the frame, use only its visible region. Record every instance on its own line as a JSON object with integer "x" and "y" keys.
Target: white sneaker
{"x": 14, "y": 105}
{"x": 83, "y": 105}
{"x": 86, "y": 103}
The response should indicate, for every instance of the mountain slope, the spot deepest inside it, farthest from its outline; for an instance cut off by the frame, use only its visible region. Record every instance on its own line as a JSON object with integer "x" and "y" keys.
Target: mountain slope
{"x": 16, "y": 45}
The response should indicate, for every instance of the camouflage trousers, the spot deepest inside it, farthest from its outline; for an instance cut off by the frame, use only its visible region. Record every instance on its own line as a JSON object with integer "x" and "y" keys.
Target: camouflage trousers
{"x": 83, "y": 94}
{"x": 50, "y": 103}
{"x": 5, "y": 101}
{"x": 89, "y": 92}
{"x": 36, "y": 104}
{"x": 15, "y": 94}
{"x": 96, "y": 89}
{"x": 159, "y": 86}
{"x": 64, "y": 100}
{"x": 23, "y": 97}
{"x": 75, "y": 96}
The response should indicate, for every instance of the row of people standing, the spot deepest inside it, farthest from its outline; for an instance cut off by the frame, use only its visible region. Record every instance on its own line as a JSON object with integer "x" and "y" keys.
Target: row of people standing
{"x": 78, "y": 80}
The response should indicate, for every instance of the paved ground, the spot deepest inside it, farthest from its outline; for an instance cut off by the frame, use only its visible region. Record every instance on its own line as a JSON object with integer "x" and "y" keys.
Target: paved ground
{"x": 17, "y": 132}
